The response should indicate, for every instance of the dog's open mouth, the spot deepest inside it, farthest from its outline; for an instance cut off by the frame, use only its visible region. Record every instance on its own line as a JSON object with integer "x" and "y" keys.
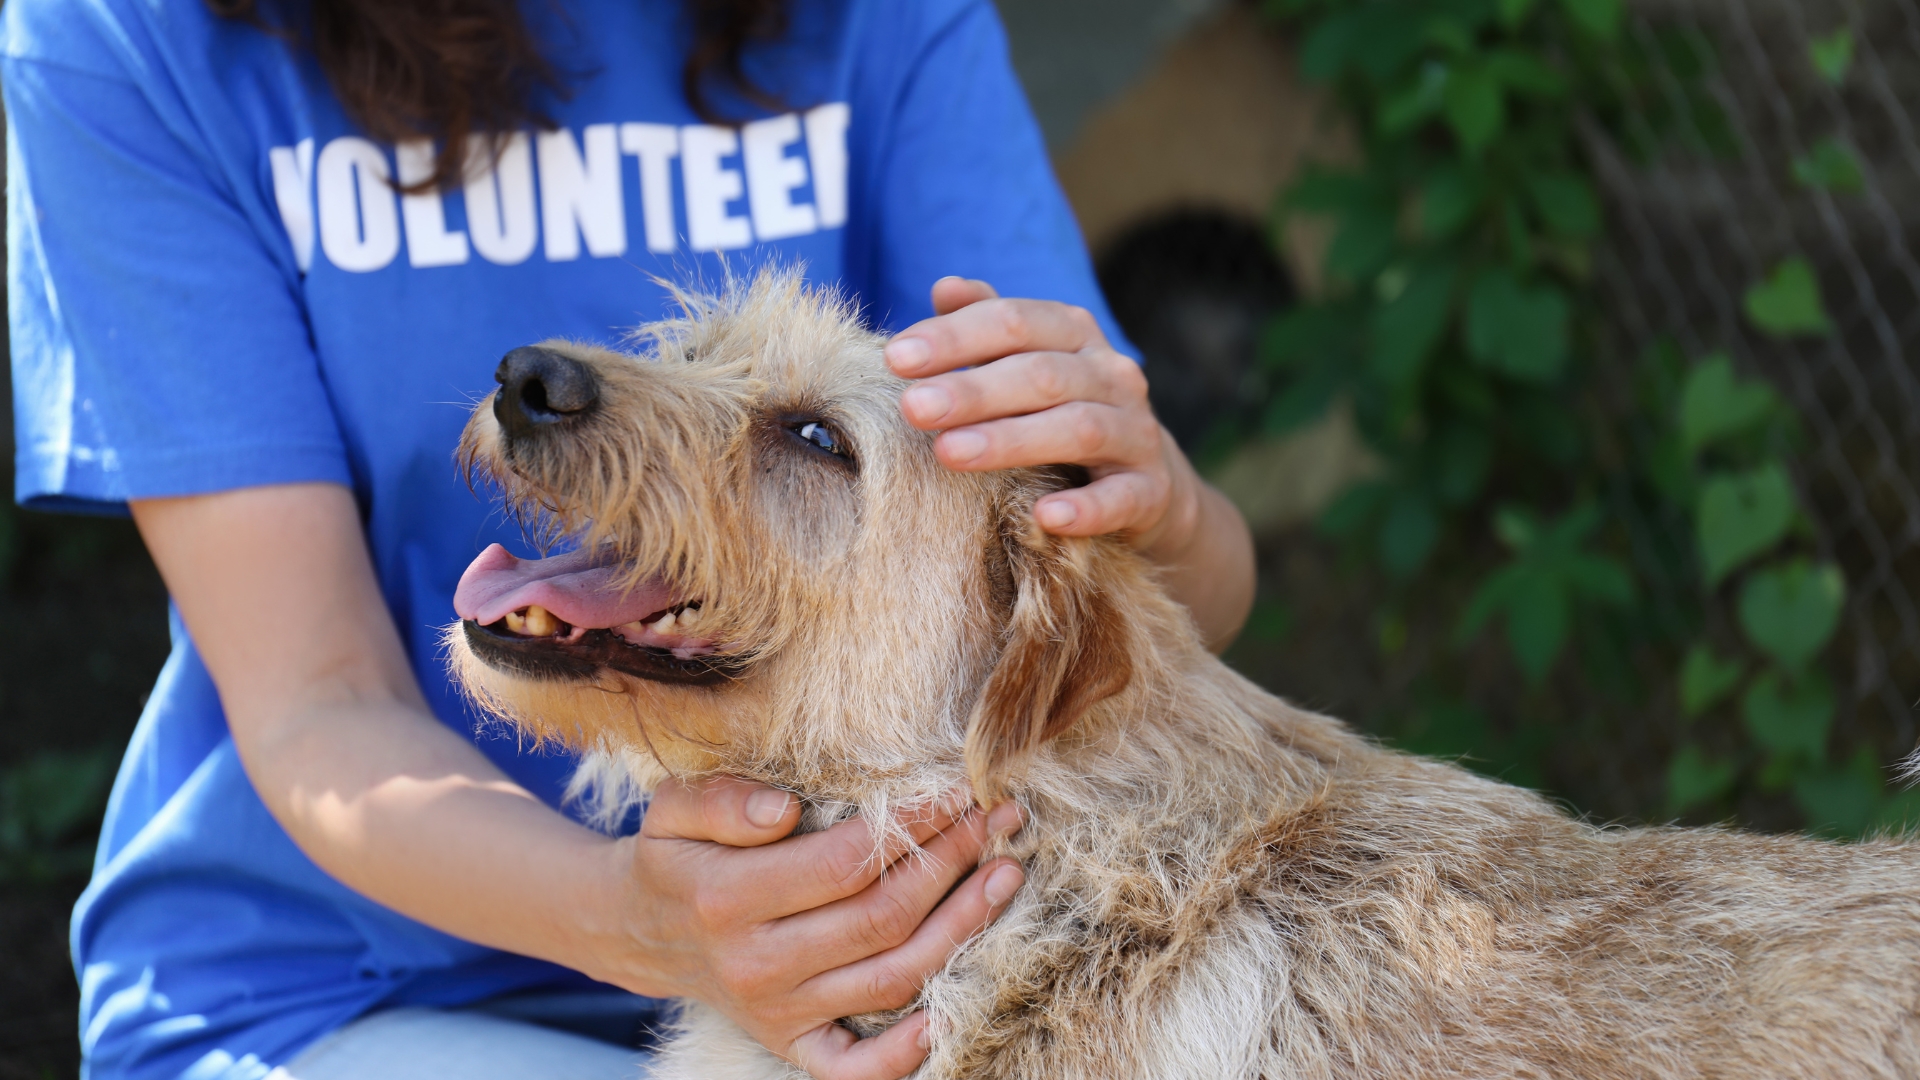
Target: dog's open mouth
{"x": 571, "y": 615}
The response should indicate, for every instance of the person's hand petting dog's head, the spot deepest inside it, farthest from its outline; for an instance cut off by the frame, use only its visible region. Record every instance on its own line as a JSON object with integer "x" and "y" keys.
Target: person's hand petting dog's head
{"x": 1045, "y": 387}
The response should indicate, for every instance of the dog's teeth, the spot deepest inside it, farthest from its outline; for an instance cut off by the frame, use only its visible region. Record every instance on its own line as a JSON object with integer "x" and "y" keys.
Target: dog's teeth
{"x": 665, "y": 625}
{"x": 540, "y": 622}
{"x": 688, "y": 619}
{"x": 517, "y": 623}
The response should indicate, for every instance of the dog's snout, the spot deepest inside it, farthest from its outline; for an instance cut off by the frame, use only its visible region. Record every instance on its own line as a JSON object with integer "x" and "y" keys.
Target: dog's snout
{"x": 540, "y": 388}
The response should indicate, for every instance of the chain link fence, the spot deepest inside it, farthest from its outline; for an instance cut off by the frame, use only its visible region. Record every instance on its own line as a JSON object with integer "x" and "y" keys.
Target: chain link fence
{"x": 1744, "y": 119}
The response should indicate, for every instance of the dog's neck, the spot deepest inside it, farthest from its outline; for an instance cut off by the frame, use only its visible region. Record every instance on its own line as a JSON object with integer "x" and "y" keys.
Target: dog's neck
{"x": 1185, "y": 722}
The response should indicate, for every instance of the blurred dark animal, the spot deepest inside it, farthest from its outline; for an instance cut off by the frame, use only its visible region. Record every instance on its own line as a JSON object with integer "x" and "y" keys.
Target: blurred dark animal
{"x": 1194, "y": 288}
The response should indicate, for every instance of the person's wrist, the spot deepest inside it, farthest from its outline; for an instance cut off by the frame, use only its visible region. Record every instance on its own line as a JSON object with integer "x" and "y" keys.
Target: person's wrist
{"x": 1170, "y": 540}
{"x": 600, "y": 937}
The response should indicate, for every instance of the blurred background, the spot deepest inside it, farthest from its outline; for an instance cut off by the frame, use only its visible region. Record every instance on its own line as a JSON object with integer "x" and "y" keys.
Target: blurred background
{"x": 1555, "y": 349}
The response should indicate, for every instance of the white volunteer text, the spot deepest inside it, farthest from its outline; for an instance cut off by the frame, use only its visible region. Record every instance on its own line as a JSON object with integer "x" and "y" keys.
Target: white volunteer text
{"x": 344, "y": 201}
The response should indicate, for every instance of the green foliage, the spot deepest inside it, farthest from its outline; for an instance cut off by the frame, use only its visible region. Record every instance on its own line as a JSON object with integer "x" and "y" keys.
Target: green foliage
{"x": 1741, "y": 515}
{"x": 1599, "y": 18}
{"x": 1788, "y": 303}
{"x": 1790, "y": 718}
{"x": 1565, "y": 203}
{"x": 1842, "y": 799}
{"x": 1790, "y": 611}
{"x": 1832, "y": 55}
{"x": 1517, "y": 329}
{"x": 1550, "y": 576}
{"x": 46, "y": 804}
{"x": 1694, "y": 778}
{"x": 1706, "y": 680}
{"x": 1829, "y": 166}
{"x": 1443, "y": 728}
{"x": 1715, "y": 404}
{"x": 1459, "y": 323}
{"x": 1268, "y": 622}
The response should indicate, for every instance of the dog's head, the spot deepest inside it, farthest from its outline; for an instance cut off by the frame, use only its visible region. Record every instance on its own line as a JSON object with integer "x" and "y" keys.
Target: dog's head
{"x": 771, "y": 574}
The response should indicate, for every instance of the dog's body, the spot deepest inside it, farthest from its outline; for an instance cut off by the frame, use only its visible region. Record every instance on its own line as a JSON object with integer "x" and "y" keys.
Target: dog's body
{"x": 1218, "y": 885}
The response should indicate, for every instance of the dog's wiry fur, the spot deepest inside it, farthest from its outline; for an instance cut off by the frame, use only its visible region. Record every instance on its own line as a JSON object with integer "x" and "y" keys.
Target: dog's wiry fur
{"x": 1218, "y": 884}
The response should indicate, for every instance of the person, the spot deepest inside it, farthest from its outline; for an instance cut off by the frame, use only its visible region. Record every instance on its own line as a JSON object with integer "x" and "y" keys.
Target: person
{"x": 262, "y": 261}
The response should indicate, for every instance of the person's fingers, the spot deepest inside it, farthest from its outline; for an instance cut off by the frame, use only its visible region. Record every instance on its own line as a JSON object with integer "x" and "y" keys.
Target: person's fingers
{"x": 1005, "y": 819}
{"x": 831, "y": 1052}
{"x": 950, "y": 294}
{"x": 815, "y": 869}
{"x": 988, "y": 330}
{"x": 887, "y": 912}
{"x": 891, "y": 979}
{"x": 1023, "y": 383}
{"x": 1077, "y": 433}
{"x": 1114, "y": 503}
{"x": 720, "y": 809}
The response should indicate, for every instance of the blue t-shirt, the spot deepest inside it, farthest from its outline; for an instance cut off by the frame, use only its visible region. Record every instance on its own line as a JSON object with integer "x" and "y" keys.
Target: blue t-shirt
{"x": 213, "y": 286}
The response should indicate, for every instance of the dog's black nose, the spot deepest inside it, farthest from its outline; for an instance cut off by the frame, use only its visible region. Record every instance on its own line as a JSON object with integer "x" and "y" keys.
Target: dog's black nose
{"x": 540, "y": 388}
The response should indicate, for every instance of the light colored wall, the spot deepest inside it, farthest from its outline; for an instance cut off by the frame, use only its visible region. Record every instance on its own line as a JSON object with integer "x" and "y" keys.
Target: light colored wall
{"x": 1220, "y": 119}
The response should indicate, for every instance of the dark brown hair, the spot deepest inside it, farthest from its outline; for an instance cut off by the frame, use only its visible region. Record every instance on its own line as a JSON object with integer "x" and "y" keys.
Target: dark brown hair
{"x": 442, "y": 69}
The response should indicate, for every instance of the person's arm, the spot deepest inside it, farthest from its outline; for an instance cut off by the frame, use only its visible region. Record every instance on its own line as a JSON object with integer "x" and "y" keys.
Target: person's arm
{"x": 708, "y": 901}
{"x": 1045, "y": 387}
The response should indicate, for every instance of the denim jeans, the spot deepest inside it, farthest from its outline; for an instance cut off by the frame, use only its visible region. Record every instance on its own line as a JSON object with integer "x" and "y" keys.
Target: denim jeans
{"x": 505, "y": 1040}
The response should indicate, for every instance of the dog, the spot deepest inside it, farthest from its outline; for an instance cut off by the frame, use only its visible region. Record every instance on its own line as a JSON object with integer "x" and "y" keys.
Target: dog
{"x": 775, "y": 579}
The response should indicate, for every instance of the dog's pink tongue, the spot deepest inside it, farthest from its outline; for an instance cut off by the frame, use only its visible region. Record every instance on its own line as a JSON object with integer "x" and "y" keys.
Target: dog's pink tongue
{"x": 578, "y": 588}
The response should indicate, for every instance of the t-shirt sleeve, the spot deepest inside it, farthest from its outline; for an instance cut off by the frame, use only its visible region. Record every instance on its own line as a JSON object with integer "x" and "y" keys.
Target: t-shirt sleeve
{"x": 159, "y": 342}
{"x": 961, "y": 182}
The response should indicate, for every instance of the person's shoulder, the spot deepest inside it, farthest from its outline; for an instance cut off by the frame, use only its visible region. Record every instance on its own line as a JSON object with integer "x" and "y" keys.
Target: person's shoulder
{"x": 889, "y": 40}
{"x": 907, "y": 22}
{"x": 110, "y": 38}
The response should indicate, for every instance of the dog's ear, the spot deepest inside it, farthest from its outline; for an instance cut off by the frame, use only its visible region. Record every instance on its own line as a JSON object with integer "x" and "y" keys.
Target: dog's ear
{"x": 1066, "y": 647}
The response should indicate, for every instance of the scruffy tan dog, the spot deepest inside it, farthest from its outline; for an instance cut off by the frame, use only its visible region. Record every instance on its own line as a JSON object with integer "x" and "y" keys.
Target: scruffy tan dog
{"x": 779, "y": 582}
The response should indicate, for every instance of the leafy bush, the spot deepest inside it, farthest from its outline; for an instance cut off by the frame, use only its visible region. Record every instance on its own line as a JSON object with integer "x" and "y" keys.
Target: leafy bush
{"x": 48, "y": 805}
{"x": 83, "y": 630}
{"x": 1627, "y": 528}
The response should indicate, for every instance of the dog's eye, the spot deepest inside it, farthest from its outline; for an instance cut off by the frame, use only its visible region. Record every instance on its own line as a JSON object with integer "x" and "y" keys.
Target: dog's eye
{"x": 822, "y": 436}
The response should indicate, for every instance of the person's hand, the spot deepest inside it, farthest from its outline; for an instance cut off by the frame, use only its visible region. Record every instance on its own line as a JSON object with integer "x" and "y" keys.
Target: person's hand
{"x": 785, "y": 934}
{"x": 1046, "y": 388}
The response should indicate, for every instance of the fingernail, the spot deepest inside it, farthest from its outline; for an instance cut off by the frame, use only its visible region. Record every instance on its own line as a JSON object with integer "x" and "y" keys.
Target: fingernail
{"x": 963, "y": 446}
{"x": 1056, "y": 514}
{"x": 766, "y": 807}
{"x": 926, "y": 404}
{"x": 907, "y": 354}
{"x": 1003, "y": 883}
{"x": 925, "y": 1039}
